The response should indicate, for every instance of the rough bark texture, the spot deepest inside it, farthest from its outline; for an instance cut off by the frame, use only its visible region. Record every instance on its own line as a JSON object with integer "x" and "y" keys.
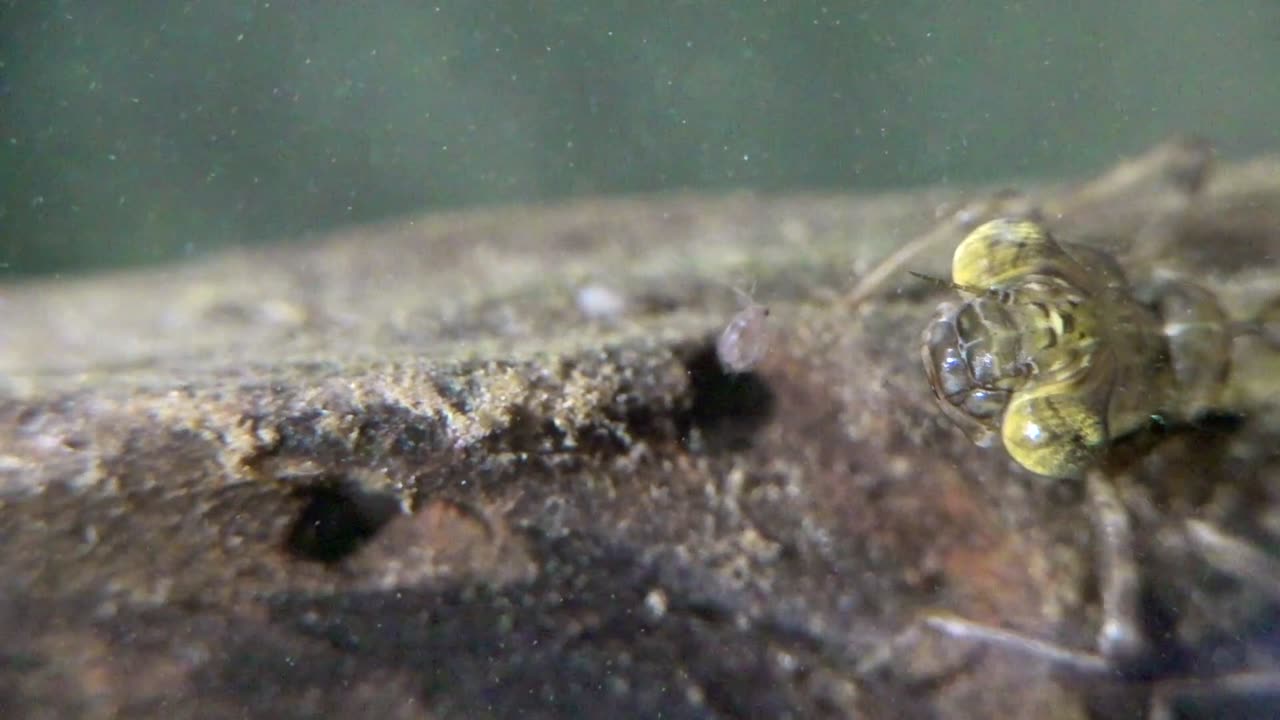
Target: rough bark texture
{"x": 399, "y": 473}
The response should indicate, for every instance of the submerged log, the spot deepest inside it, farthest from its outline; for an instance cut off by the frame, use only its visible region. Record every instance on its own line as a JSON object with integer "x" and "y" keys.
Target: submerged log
{"x": 487, "y": 463}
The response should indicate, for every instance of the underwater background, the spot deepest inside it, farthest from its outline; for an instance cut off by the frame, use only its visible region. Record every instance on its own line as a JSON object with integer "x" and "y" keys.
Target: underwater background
{"x": 151, "y": 131}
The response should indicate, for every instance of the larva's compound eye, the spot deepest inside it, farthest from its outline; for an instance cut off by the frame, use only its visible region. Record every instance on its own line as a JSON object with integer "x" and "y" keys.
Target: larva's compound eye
{"x": 1056, "y": 434}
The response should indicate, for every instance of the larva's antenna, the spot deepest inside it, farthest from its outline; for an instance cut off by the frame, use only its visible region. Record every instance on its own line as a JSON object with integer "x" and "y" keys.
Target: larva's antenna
{"x": 933, "y": 280}
{"x": 949, "y": 285}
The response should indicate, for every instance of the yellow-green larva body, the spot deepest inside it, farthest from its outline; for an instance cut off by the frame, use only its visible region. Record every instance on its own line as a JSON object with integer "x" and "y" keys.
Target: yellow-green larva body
{"x": 1054, "y": 353}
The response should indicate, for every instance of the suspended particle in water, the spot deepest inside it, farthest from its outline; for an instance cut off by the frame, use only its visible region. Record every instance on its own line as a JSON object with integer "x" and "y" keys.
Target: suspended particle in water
{"x": 600, "y": 302}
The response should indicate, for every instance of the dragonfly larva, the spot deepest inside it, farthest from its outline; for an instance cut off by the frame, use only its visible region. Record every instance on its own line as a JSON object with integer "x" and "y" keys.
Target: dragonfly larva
{"x": 1054, "y": 354}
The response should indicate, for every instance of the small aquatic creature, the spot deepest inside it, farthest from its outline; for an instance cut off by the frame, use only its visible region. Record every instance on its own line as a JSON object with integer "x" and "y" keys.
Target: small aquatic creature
{"x": 745, "y": 340}
{"x": 1056, "y": 355}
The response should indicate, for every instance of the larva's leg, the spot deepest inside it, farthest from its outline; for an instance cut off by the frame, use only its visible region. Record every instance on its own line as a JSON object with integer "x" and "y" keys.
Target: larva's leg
{"x": 1178, "y": 170}
{"x": 1166, "y": 696}
{"x": 874, "y": 279}
{"x": 1166, "y": 179}
{"x": 1078, "y": 662}
{"x": 1248, "y": 564}
{"x": 919, "y": 656}
{"x": 1237, "y": 558}
{"x": 1266, "y": 325}
{"x": 1138, "y": 206}
{"x": 948, "y": 230}
{"x": 1121, "y": 638}
{"x": 1121, "y": 643}
{"x": 1178, "y": 167}
{"x": 1263, "y": 687}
